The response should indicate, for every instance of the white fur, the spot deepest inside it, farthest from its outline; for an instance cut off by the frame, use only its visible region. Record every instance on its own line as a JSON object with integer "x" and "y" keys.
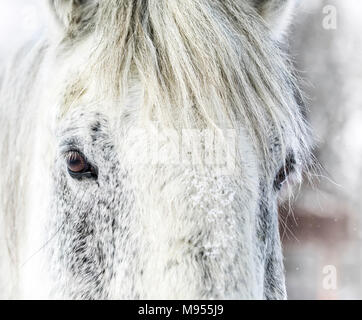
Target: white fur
{"x": 182, "y": 231}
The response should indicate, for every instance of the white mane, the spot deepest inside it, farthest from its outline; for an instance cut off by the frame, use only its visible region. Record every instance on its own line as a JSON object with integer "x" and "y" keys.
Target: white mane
{"x": 188, "y": 81}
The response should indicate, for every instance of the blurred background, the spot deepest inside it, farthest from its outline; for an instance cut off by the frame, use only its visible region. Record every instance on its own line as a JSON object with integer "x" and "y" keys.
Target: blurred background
{"x": 322, "y": 235}
{"x": 323, "y": 243}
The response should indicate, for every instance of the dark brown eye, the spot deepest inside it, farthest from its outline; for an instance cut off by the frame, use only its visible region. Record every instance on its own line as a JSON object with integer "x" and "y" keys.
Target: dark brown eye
{"x": 76, "y": 162}
{"x": 79, "y": 167}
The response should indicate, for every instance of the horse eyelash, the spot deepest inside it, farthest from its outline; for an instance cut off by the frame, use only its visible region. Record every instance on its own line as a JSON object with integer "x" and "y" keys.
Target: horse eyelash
{"x": 92, "y": 171}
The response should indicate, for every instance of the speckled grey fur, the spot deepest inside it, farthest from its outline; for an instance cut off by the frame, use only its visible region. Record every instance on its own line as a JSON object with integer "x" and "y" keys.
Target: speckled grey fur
{"x": 140, "y": 230}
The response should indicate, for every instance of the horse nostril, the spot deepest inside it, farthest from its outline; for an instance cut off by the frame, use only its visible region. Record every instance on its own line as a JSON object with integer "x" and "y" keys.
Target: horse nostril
{"x": 76, "y": 162}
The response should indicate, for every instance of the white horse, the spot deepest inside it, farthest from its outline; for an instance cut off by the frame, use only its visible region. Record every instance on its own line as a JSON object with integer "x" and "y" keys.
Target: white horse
{"x": 104, "y": 192}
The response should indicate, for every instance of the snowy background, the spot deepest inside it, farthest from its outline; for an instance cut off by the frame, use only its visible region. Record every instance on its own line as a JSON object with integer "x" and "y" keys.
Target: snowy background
{"x": 19, "y": 20}
{"x": 326, "y": 236}
{"x": 323, "y": 240}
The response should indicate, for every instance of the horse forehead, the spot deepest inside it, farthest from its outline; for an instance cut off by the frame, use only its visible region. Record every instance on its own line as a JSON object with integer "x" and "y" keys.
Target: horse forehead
{"x": 88, "y": 124}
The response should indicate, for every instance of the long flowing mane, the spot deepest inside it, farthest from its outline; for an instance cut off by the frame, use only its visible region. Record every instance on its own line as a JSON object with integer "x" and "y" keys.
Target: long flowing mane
{"x": 17, "y": 119}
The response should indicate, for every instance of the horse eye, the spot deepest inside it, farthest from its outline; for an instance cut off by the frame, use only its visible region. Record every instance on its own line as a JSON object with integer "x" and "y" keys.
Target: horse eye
{"x": 284, "y": 172}
{"x": 78, "y": 166}
{"x": 76, "y": 162}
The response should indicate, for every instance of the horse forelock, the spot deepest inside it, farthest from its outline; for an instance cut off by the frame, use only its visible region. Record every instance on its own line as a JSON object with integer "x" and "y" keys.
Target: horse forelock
{"x": 200, "y": 64}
